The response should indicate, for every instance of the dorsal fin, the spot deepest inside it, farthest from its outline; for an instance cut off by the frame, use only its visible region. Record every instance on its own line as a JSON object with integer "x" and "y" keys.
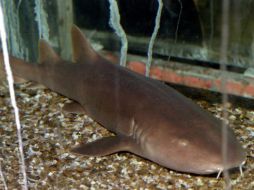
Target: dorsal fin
{"x": 46, "y": 53}
{"x": 82, "y": 51}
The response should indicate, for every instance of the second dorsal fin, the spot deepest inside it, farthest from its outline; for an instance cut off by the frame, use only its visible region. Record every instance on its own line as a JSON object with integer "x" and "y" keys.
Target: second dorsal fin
{"x": 46, "y": 53}
{"x": 81, "y": 48}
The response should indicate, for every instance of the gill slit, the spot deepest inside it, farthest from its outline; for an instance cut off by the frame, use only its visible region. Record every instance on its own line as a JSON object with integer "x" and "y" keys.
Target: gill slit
{"x": 138, "y": 134}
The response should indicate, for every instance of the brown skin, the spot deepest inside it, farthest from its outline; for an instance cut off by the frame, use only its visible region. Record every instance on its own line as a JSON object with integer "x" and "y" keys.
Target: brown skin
{"x": 149, "y": 118}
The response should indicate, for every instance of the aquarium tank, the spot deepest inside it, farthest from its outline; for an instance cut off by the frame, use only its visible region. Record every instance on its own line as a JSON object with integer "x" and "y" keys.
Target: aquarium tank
{"x": 126, "y": 94}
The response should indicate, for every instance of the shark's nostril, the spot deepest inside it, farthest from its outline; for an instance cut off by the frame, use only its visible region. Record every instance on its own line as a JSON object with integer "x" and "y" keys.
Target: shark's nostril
{"x": 241, "y": 170}
{"x": 241, "y": 167}
{"x": 243, "y": 163}
{"x": 219, "y": 173}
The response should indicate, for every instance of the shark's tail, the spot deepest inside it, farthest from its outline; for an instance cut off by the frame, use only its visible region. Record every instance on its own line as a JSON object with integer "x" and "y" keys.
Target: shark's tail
{"x": 24, "y": 71}
{"x": 13, "y": 61}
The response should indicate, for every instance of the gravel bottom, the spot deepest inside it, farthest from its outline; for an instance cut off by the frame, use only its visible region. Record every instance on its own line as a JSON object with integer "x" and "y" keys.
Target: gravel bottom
{"x": 48, "y": 135}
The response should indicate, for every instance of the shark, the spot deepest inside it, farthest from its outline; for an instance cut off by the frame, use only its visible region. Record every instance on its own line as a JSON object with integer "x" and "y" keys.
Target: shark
{"x": 149, "y": 118}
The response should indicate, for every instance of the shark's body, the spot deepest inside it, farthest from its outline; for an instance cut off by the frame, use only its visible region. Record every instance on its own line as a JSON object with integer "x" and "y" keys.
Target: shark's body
{"x": 149, "y": 118}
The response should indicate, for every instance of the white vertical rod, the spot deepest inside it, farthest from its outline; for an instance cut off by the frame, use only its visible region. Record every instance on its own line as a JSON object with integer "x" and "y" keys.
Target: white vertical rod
{"x": 13, "y": 99}
{"x": 155, "y": 32}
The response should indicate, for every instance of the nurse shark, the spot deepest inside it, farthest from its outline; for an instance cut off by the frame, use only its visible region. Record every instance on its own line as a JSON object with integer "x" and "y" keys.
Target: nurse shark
{"x": 148, "y": 118}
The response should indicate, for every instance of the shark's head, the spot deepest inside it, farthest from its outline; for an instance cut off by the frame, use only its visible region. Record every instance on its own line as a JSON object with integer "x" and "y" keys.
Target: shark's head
{"x": 195, "y": 149}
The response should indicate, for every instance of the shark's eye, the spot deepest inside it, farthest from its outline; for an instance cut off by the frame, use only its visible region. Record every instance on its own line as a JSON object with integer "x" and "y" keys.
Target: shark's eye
{"x": 183, "y": 142}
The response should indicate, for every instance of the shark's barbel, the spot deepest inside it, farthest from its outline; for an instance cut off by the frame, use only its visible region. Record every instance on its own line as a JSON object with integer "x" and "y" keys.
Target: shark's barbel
{"x": 150, "y": 119}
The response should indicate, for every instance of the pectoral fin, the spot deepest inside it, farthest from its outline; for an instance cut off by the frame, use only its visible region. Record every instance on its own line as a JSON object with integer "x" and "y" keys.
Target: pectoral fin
{"x": 103, "y": 146}
{"x": 73, "y": 107}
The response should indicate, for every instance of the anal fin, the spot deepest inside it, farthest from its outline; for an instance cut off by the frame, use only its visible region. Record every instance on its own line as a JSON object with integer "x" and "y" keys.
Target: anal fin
{"x": 35, "y": 86}
{"x": 103, "y": 146}
{"x": 19, "y": 80}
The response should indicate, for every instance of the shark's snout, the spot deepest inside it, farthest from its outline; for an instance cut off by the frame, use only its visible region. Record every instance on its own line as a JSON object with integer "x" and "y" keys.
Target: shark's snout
{"x": 237, "y": 160}
{"x": 216, "y": 162}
